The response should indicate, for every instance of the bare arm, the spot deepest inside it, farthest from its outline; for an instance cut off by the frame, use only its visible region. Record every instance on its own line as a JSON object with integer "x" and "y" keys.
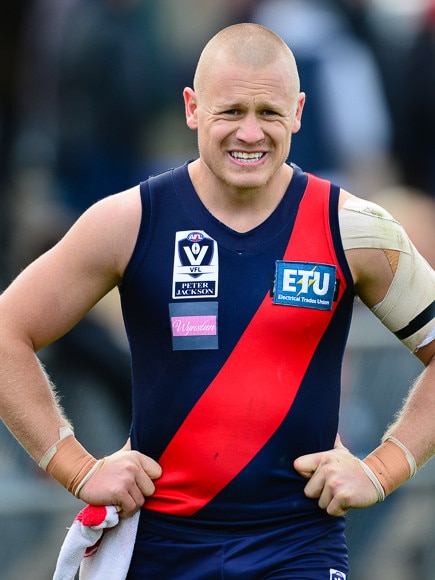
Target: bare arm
{"x": 372, "y": 270}
{"x": 336, "y": 477}
{"x": 45, "y": 301}
{"x": 415, "y": 424}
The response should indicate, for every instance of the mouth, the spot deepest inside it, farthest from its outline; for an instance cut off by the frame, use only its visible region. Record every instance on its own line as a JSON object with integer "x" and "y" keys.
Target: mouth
{"x": 247, "y": 158}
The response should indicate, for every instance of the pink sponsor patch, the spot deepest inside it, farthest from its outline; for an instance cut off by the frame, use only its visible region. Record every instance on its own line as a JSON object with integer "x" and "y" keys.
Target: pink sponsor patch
{"x": 193, "y": 325}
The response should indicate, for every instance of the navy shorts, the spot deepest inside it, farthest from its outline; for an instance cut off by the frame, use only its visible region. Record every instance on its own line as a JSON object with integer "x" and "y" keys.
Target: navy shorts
{"x": 307, "y": 550}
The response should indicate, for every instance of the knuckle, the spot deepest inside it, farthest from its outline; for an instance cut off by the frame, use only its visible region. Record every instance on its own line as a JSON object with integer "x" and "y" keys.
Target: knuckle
{"x": 329, "y": 469}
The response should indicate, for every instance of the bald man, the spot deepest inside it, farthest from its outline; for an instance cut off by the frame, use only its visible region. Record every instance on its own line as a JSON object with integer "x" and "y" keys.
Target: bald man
{"x": 237, "y": 272}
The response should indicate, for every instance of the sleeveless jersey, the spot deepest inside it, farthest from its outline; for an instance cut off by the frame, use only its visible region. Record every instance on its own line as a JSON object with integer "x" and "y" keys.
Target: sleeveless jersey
{"x": 237, "y": 342}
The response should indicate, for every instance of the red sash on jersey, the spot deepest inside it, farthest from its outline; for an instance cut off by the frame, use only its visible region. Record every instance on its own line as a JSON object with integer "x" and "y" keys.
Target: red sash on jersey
{"x": 254, "y": 390}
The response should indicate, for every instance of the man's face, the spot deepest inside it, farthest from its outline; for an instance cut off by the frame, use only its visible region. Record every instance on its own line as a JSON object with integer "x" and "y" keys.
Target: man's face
{"x": 245, "y": 118}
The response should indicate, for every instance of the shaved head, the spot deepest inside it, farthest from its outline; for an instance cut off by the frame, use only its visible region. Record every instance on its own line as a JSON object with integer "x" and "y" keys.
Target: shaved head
{"x": 249, "y": 45}
{"x": 245, "y": 105}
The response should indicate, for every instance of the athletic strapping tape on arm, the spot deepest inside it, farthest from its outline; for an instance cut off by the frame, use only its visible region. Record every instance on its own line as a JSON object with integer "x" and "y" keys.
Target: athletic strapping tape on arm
{"x": 69, "y": 463}
{"x": 408, "y": 310}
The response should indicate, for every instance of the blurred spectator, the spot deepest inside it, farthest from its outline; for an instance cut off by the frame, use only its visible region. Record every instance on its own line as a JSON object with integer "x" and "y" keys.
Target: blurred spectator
{"x": 113, "y": 80}
{"x": 415, "y": 209}
{"x": 104, "y": 73}
{"x": 12, "y": 17}
{"x": 415, "y": 144}
{"x": 398, "y": 34}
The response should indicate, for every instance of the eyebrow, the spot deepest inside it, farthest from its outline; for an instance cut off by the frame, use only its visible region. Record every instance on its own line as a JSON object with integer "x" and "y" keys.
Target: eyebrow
{"x": 262, "y": 105}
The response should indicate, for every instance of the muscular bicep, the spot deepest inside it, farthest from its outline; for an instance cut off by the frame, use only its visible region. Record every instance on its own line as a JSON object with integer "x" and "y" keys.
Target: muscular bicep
{"x": 52, "y": 294}
{"x": 390, "y": 276}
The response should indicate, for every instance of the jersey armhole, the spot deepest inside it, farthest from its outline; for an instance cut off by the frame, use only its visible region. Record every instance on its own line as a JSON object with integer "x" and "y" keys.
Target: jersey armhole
{"x": 141, "y": 244}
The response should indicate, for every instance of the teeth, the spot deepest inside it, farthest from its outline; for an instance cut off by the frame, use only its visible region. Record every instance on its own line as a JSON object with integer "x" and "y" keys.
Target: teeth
{"x": 250, "y": 157}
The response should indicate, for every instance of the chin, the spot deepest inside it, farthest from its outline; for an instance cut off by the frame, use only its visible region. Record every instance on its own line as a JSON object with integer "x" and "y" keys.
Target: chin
{"x": 252, "y": 179}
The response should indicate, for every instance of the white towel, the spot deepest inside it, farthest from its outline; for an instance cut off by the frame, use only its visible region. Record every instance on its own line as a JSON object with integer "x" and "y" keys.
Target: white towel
{"x": 99, "y": 544}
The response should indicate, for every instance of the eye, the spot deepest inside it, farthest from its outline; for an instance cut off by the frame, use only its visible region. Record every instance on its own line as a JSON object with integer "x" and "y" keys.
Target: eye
{"x": 232, "y": 112}
{"x": 269, "y": 113}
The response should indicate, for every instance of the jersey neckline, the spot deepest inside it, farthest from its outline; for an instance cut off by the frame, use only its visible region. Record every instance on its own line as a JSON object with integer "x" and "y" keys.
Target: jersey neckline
{"x": 240, "y": 242}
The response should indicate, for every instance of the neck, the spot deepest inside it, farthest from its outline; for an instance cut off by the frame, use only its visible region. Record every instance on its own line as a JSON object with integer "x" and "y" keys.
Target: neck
{"x": 240, "y": 209}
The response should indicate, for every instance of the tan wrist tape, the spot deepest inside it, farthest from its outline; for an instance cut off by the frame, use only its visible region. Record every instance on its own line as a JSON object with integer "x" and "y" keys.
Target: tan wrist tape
{"x": 70, "y": 464}
{"x": 391, "y": 463}
{"x": 49, "y": 454}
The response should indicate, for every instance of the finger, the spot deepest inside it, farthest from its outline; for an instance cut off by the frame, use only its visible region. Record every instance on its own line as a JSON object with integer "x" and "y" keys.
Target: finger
{"x": 328, "y": 497}
{"x": 337, "y": 507}
{"x": 128, "y": 505}
{"x": 144, "y": 484}
{"x": 315, "y": 485}
{"x": 307, "y": 465}
{"x": 325, "y": 496}
{"x": 151, "y": 467}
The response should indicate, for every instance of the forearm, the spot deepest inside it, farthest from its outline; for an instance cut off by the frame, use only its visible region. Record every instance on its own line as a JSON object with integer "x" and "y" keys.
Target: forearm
{"x": 409, "y": 442}
{"x": 415, "y": 424}
{"x": 28, "y": 403}
{"x": 30, "y": 409}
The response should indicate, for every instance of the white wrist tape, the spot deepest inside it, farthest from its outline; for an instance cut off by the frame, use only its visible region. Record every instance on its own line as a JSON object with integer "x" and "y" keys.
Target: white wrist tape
{"x": 379, "y": 489}
{"x": 408, "y": 454}
{"x": 88, "y": 477}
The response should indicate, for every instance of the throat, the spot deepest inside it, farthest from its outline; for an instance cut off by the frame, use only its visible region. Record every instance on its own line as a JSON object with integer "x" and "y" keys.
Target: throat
{"x": 240, "y": 209}
{"x": 241, "y": 220}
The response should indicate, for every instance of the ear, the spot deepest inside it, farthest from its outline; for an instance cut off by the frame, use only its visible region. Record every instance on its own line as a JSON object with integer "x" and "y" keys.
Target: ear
{"x": 191, "y": 107}
{"x": 297, "y": 121}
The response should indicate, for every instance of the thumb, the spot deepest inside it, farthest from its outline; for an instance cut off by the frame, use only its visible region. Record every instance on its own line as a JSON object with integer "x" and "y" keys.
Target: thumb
{"x": 127, "y": 446}
{"x": 338, "y": 444}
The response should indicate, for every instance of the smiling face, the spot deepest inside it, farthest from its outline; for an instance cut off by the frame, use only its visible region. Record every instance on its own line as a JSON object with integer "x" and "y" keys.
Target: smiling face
{"x": 245, "y": 107}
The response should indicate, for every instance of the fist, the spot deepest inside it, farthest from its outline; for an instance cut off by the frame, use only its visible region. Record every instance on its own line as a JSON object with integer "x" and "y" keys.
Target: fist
{"x": 124, "y": 479}
{"x": 336, "y": 479}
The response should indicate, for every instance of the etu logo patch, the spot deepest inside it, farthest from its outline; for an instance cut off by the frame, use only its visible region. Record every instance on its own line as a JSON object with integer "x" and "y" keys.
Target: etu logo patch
{"x": 304, "y": 284}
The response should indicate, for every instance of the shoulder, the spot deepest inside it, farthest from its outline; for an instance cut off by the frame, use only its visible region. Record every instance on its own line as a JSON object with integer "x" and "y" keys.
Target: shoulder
{"x": 373, "y": 241}
{"x": 365, "y": 224}
{"x": 125, "y": 205}
{"x": 108, "y": 229}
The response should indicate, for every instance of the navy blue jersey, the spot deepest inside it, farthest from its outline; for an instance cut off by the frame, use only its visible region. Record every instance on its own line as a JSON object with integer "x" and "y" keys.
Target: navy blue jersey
{"x": 237, "y": 342}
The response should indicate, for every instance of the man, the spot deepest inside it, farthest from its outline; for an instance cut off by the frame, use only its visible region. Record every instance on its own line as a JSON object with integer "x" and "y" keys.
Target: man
{"x": 237, "y": 274}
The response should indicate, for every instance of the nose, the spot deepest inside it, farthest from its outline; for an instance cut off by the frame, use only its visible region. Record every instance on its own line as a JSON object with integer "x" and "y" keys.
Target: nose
{"x": 250, "y": 130}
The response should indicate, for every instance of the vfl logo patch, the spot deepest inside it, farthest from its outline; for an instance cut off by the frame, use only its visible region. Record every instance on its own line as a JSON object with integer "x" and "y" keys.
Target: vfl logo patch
{"x": 196, "y": 266}
{"x": 336, "y": 575}
{"x": 304, "y": 284}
